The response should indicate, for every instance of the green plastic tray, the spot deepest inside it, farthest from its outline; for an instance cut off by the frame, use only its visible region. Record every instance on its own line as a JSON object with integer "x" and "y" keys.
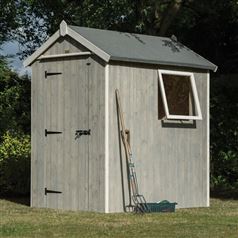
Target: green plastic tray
{"x": 163, "y": 206}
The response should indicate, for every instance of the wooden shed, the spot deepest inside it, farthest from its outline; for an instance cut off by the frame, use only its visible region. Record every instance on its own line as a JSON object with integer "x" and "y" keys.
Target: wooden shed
{"x": 77, "y": 160}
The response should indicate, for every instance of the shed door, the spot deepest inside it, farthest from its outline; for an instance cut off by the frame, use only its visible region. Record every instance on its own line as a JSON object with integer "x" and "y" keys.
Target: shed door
{"x": 66, "y": 155}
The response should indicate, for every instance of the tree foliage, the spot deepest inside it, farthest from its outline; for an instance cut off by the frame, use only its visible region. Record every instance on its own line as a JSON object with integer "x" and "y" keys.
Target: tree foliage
{"x": 14, "y": 100}
{"x": 14, "y": 132}
{"x": 211, "y": 29}
{"x": 224, "y": 134}
{"x": 140, "y": 16}
{"x": 208, "y": 27}
{"x": 8, "y": 19}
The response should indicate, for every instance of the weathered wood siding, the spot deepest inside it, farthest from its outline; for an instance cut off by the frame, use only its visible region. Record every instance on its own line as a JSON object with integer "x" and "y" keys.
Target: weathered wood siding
{"x": 65, "y": 45}
{"x": 170, "y": 159}
{"x": 37, "y": 136}
{"x": 68, "y": 102}
{"x": 97, "y": 137}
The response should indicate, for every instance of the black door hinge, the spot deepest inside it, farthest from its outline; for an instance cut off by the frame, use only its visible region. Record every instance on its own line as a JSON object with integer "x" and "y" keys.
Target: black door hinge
{"x": 52, "y": 73}
{"x": 52, "y": 132}
{"x": 51, "y": 191}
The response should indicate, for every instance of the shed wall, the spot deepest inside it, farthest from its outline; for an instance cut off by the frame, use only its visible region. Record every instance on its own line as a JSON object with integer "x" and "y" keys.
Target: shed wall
{"x": 171, "y": 159}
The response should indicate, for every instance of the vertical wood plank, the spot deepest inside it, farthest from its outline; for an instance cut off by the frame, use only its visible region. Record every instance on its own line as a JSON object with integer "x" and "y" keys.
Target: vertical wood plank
{"x": 97, "y": 138}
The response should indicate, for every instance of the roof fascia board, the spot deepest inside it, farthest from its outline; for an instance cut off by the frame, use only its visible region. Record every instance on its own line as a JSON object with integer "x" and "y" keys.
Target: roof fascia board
{"x": 42, "y": 49}
{"x": 102, "y": 54}
{"x": 212, "y": 67}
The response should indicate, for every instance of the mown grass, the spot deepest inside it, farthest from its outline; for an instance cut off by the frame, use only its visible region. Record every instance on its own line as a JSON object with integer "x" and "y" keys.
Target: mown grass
{"x": 220, "y": 220}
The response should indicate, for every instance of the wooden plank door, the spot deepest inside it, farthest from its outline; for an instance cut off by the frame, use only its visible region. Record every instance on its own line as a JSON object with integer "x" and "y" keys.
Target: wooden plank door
{"x": 66, "y": 154}
{"x": 54, "y": 133}
{"x": 76, "y": 162}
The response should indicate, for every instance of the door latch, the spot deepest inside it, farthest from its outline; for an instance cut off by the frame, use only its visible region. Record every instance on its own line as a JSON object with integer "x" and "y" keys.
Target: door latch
{"x": 79, "y": 133}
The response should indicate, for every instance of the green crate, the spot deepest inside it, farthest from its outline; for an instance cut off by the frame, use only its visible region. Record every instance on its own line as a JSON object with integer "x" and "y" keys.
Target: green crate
{"x": 163, "y": 206}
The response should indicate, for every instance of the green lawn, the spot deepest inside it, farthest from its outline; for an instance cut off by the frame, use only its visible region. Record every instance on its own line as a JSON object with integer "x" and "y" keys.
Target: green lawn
{"x": 220, "y": 220}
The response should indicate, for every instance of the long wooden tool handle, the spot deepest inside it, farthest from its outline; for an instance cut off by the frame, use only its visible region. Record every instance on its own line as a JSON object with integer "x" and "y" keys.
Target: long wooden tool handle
{"x": 125, "y": 143}
{"x": 122, "y": 123}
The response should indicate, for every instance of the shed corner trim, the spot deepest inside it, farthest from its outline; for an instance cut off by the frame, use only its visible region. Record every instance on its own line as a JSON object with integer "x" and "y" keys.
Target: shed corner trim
{"x": 106, "y": 138}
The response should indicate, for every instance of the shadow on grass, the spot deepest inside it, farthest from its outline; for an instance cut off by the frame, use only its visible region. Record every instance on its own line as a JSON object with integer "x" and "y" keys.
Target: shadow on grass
{"x": 23, "y": 200}
{"x": 224, "y": 194}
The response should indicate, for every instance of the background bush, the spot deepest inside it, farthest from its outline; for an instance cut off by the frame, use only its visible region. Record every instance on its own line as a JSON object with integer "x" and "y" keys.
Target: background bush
{"x": 14, "y": 132}
{"x": 15, "y": 164}
{"x": 224, "y": 135}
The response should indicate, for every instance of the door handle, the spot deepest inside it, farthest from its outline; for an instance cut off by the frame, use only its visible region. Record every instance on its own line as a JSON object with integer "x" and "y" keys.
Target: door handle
{"x": 79, "y": 133}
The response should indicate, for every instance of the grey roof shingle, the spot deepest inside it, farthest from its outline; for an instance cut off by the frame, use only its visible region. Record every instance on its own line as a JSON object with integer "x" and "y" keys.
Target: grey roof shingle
{"x": 143, "y": 48}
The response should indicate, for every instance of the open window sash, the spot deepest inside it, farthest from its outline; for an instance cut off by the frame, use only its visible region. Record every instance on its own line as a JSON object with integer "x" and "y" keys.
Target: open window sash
{"x": 198, "y": 114}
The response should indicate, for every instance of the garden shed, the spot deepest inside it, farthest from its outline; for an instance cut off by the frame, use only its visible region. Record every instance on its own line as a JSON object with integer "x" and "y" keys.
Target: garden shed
{"x": 77, "y": 159}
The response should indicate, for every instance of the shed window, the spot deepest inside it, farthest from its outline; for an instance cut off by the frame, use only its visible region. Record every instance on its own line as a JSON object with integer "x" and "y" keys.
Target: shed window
{"x": 178, "y": 96}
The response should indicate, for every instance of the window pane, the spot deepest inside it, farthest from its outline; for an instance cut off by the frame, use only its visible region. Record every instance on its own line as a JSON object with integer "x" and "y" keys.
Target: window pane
{"x": 179, "y": 95}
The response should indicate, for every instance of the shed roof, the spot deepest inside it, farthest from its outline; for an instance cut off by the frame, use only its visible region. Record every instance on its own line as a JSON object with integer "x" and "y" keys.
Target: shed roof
{"x": 144, "y": 48}
{"x": 121, "y": 46}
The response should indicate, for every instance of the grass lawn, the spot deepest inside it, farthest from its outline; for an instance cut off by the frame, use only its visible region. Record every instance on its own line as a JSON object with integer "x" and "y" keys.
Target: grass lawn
{"x": 220, "y": 220}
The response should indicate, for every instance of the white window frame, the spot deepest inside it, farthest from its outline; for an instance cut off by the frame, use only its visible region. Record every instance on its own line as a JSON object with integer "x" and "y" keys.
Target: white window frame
{"x": 198, "y": 115}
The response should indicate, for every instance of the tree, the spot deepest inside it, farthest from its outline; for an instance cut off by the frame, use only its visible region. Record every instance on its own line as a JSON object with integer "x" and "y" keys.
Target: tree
{"x": 14, "y": 112}
{"x": 8, "y": 19}
{"x": 196, "y": 23}
{"x": 224, "y": 134}
{"x": 208, "y": 27}
{"x": 14, "y": 101}
{"x": 40, "y": 19}
{"x": 211, "y": 29}
{"x": 14, "y": 132}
